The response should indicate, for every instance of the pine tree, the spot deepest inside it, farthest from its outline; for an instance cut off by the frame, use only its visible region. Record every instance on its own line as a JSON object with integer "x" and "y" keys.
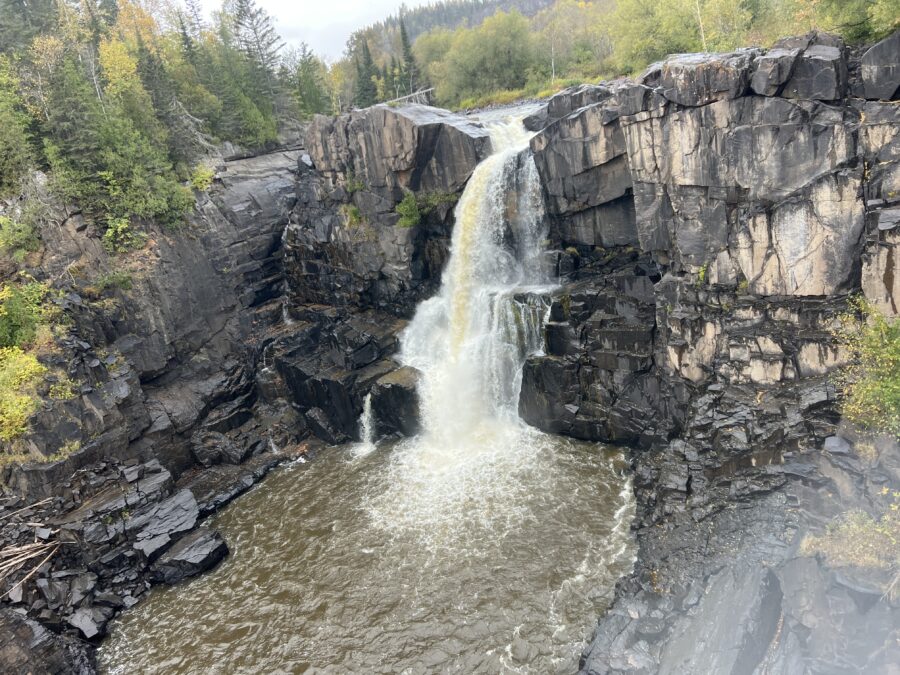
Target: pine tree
{"x": 15, "y": 153}
{"x": 366, "y": 72}
{"x": 410, "y": 70}
{"x": 311, "y": 95}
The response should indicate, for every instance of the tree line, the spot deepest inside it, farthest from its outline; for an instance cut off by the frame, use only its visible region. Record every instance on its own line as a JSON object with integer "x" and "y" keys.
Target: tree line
{"x": 121, "y": 101}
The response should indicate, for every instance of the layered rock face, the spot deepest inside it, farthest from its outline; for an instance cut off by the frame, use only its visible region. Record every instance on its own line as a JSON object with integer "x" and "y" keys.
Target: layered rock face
{"x": 345, "y": 245}
{"x": 712, "y": 218}
{"x": 164, "y": 376}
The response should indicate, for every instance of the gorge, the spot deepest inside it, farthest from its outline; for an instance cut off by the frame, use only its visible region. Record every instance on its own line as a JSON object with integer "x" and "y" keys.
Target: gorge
{"x": 657, "y": 266}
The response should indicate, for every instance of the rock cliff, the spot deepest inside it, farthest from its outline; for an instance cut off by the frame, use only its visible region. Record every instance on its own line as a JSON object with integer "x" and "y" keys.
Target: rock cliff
{"x": 712, "y": 217}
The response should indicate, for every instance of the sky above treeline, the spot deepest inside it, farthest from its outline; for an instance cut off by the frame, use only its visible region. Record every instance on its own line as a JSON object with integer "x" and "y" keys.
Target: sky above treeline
{"x": 324, "y": 25}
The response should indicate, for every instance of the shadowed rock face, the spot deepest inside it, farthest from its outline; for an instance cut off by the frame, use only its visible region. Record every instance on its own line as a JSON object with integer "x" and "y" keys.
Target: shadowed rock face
{"x": 345, "y": 246}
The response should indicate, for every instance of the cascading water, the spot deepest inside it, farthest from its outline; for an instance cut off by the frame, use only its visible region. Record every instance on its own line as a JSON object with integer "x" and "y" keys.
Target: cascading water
{"x": 482, "y": 545}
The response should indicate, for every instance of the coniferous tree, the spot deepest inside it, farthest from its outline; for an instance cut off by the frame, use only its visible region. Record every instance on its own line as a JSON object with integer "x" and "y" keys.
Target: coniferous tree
{"x": 256, "y": 35}
{"x": 310, "y": 89}
{"x": 22, "y": 20}
{"x": 410, "y": 70}
{"x": 15, "y": 153}
{"x": 366, "y": 93}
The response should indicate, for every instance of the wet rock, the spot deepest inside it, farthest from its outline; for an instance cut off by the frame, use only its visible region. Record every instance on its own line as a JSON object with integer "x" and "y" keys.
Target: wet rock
{"x": 395, "y": 403}
{"x": 211, "y": 447}
{"x": 157, "y": 526}
{"x": 880, "y": 69}
{"x": 28, "y": 647}
{"x": 193, "y": 554}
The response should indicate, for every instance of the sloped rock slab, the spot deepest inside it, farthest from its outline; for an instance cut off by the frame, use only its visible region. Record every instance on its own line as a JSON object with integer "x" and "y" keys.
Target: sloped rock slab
{"x": 193, "y": 554}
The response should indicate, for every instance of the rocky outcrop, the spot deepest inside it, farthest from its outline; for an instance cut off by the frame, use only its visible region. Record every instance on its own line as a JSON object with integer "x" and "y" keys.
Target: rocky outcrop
{"x": 346, "y": 244}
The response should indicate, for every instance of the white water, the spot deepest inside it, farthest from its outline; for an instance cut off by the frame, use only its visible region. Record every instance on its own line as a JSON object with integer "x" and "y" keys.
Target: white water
{"x": 469, "y": 343}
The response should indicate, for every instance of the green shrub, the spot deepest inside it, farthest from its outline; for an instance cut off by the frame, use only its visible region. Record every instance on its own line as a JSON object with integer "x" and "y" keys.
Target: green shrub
{"x": 17, "y": 239}
{"x": 64, "y": 390}
{"x": 872, "y": 380}
{"x": 353, "y": 184}
{"x": 408, "y": 210}
{"x": 412, "y": 208}
{"x": 353, "y": 217}
{"x": 202, "y": 177}
{"x": 121, "y": 237}
{"x": 23, "y": 308}
{"x": 19, "y": 374}
{"x": 115, "y": 279}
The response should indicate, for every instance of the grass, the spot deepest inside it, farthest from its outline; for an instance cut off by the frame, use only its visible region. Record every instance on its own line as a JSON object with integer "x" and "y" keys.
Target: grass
{"x": 857, "y": 539}
{"x": 414, "y": 207}
{"x": 353, "y": 217}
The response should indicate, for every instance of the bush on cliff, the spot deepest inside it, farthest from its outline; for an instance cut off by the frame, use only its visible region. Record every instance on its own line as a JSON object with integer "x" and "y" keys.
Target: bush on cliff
{"x": 23, "y": 309}
{"x": 20, "y": 373}
{"x": 872, "y": 381}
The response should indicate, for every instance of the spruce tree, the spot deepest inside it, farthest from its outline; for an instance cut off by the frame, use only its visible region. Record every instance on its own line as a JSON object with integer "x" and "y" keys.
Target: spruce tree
{"x": 258, "y": 39}
{"x": 311, "y": 95}
{"x": 410, "y": 71}
{"x": 366, "y": 72}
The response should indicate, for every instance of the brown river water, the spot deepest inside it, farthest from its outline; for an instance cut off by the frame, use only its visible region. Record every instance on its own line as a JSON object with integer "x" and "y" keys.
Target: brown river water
{"x": 322, "y": 580}
{"x": 480, "y": 546}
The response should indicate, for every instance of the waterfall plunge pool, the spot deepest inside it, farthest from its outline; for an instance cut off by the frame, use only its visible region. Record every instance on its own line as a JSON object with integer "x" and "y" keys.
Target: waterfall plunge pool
{"x": 480, "y": 546}
{"x": 342, "y": 566}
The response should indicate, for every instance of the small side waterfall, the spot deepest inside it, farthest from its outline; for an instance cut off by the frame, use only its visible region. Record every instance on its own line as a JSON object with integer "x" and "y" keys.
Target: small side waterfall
{"x": 366, "y": 429}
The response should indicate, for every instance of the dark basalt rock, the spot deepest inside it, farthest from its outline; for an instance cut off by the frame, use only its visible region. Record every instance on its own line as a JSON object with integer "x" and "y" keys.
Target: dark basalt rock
{"x": 193, "y": 554}
{"x": 820, "y": 71}
{"x": 699, "y": 79}
{"x": 773, "y": 70}
{"x": 28, "y": 647}
{"x": 880, "y": 69}
{"x": 395, "y": 403}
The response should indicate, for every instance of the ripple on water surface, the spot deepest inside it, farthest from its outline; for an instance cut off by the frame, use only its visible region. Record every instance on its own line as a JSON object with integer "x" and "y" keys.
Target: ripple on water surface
{"x": 395, "y": 561}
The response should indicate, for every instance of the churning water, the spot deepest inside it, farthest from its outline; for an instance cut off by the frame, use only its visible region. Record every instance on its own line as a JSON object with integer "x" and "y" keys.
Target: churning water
{"x": 482, "y": 545}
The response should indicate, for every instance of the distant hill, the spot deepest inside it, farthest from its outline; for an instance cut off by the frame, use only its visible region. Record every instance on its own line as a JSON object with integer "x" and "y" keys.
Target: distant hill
{"x": 442, "y": 14}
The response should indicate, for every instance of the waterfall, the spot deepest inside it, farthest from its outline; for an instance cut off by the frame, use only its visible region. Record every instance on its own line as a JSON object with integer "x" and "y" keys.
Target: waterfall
{"x": 470, "y": 341}
{"x": 464, "y": 472}
{"x": 366, "y": 429}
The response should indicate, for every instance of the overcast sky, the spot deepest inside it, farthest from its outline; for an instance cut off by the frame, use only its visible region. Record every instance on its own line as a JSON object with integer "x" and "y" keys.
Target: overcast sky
{"x": 324, "y": 25}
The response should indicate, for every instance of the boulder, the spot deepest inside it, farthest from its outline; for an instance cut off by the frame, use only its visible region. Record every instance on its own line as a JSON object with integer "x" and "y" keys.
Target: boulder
{"x": 880, "y": 69}
{"x": 773, "y": 70}
{"x": 820, "y": 73}
{"x": 193, "y": 554}
{"x": 28, "y": 647}
{"x": 157, "y": 526}
{"x": 212, "y": 447}
{"x": 395, "y": 403}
